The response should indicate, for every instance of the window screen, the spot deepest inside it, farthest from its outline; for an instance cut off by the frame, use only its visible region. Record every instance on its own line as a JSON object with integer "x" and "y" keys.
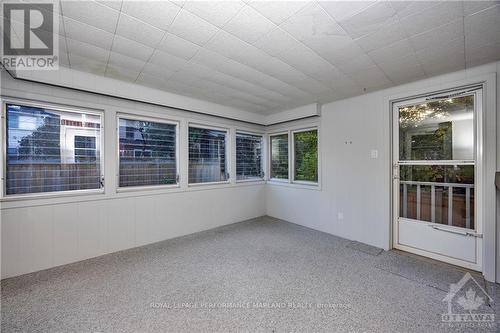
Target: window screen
{"x": 306, "y": 155}
{"x": 279, "y": 156}
{"x": 207, "y": 155}
{"x": 51, "y": 150}
{"x": 248, "y": 156}
{"x": 147, "y": 153}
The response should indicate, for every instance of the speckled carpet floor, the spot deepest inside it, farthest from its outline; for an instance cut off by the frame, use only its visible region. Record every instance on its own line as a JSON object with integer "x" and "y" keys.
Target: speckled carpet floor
{"x": 261, "y": 275}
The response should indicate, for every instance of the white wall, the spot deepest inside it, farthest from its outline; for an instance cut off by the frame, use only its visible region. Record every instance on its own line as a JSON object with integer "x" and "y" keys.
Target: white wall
{"x": 353, "y": 183}
{"x": 42, "y": 233}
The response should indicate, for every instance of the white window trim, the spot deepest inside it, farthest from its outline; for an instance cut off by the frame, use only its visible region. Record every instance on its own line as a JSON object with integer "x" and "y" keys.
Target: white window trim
{"x": 278, "y": 180}
{"x": 227, "y": 150}
{"x": 56, "y": 107}
{"x": 129, "y": 116}
{"x": 262, "y": 158}
{"x": 292, "y": 157}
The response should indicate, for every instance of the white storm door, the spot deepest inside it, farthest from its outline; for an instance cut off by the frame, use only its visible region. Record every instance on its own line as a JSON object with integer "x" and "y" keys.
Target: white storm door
{"x": 435, "y": 178}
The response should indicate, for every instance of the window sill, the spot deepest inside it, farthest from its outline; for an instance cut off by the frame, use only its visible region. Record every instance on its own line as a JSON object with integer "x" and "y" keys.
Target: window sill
{"x": 225, "y": 182}
{"x": 146, "y": 188}
{"x": 297, "y": 185}
{"x": 51, "y": 195}
{"x": 255, "y": 180}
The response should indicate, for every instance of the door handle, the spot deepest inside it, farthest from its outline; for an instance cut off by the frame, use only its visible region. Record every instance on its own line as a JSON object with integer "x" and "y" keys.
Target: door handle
{"x": 458, "y": 232}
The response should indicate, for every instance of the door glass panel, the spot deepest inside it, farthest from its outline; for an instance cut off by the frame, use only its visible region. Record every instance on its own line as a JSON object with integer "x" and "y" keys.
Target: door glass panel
{"x": 441, "y": 194}
{"x": 437, "y": 130}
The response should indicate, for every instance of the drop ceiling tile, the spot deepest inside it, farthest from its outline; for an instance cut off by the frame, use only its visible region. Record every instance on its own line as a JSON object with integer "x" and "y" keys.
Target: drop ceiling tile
{"x": 161, "y": 72}
{"x": 92, "y": 13}
{"x": 483, "y": 22}
{"x": 151, "y": 81}
{"x": 278, "y": 11}
{"x": 64, "y": 59}
{"x": 209, "y": 58}
{"x": 179, "y": 3}
{"x": 86, "y": 50}
{"x": 139, "y": 31}
{"x": 254, "y": 57}
{"x": 371, "y": 79}
{"x": 276, "y": 41}
{"x": 62, "y": 44}
{"x": 408, "y": 74}
{"x": 440, "y": 14}
{"x": 343, "y": 49}
{"x": 406, "y": 8}
{"x": 86, "y": 64}
{"x": 177, "y": 46}
{"x": 392, "y": 52}
{"x": 131, "y": 48}
{"x": 403, "y": 70}
{"x": 385, "y": 36}
{"x": 311, "y": 86}
{"x": 483, "y": 55}
{"x": 475, "y": 40}
{"x": 249, "y": 25}
{"x": 199, "y": 71}
{"x": 115, "y": 4}
{"x": 308, "y": 62}
{"x": 435, "y": 37}
{"x": 312, "y": 23}
{"x": 216, "y": 12}
{"x": 471, "y": 7}
{"x": 192, "y": 28}
{"x": 369, "y": 19}
{"x": 226, "y": 44}
{"x": 443, "y": 64}
{"x": 356, "y": 64}
{"x": 168, "y": 61}
{"x": 123, "y": 61}
{"x": 87, "y": 33}
{"x": 341, "y": 10}
{"x": 159, "y": 14}
{"x": 121, "y": 73}
{"x": 447, "y": 49}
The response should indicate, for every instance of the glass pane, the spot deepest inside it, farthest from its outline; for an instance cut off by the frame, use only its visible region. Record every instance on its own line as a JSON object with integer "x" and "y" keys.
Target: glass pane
{"x": 207, "y": 155}
{"x": 437, "y": 130}
{"x": 438, "y": 193}
{"x": 248, "y": 156}
{"x": 306, "y": 155}
{"x": 51, "y": 150}
{"x": 147, "y": 153}
{"x": 279, "y": 156}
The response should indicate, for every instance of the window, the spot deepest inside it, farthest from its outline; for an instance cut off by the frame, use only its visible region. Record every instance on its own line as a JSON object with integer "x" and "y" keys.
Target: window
{"x": 85, "y": 149}
{"x": 148, "y": 152}
{"x": 279, "y": 156}
{"x": 52, "y": 150}
{"x": 248, "y": 157}
{"x": 207, "y": 155}
{"x": 305, "y": 145}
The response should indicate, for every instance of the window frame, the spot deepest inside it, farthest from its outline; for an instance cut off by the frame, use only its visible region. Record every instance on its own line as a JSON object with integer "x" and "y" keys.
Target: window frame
{"x": 292, "y": 157}
{"x": 279, "y": 180}
{"x": 57, "y": 107}
{"x": 227, "y": 140}
{"x": 130, "y": 116}
{"x": 262, "y": 158}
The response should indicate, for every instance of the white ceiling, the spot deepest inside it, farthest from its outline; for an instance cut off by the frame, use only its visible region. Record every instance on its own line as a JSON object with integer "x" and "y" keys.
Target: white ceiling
{"x": 266, "y": 56}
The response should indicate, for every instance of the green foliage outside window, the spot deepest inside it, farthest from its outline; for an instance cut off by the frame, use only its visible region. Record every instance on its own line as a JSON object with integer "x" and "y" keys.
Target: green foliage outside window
{"x": 306, "y": 156}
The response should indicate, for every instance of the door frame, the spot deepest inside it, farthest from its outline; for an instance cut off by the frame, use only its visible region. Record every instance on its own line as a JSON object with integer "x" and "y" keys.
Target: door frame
{"x": 486, "y": 158}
